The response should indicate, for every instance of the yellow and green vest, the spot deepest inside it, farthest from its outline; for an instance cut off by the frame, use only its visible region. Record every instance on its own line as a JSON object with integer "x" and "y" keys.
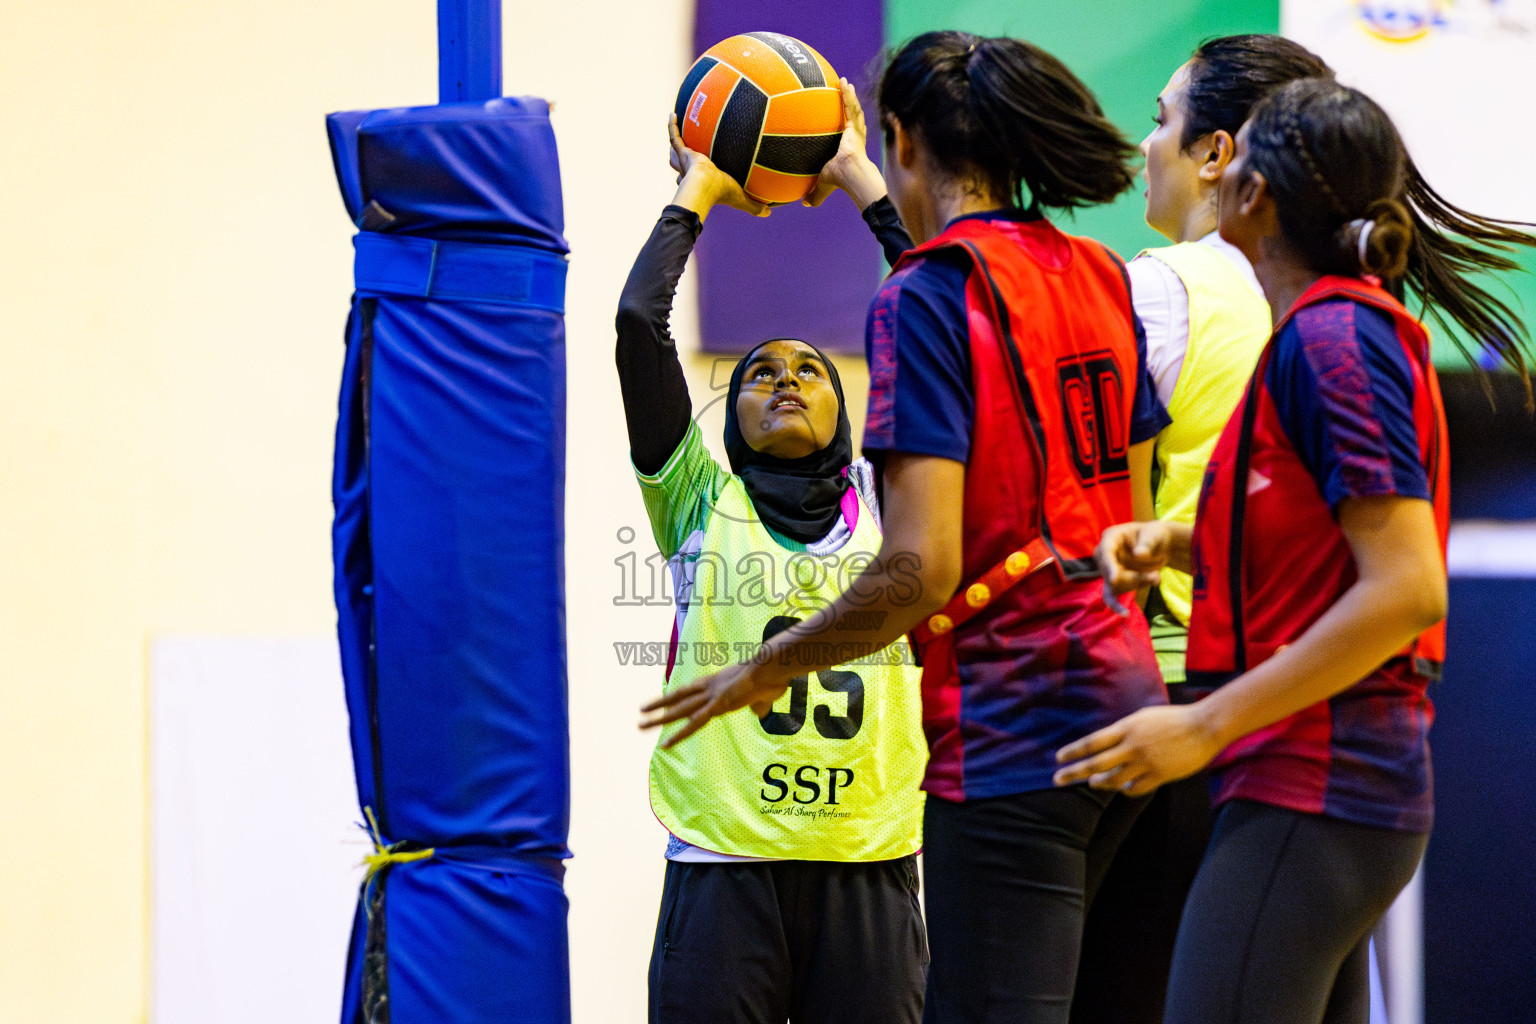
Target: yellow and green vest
{"x": 1229, "y": 322}
{"x": 833, "y": 772}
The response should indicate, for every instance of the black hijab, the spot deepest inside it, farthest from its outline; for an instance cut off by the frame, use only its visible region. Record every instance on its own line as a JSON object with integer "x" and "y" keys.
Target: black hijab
{"x": 799, "y": 498}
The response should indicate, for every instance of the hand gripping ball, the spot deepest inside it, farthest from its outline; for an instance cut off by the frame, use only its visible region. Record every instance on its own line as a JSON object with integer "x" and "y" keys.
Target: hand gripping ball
{"x": 767, "y": 109}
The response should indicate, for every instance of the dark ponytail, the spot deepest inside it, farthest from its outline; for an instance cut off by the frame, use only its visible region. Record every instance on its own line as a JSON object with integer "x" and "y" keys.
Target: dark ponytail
{"x": 1008, "y": 114}
{"x": 1228, "y": 76}
{"x": 1380, "y": 241}
{"x": 1334, "y": 163}
{"x": 1449, "y": 246}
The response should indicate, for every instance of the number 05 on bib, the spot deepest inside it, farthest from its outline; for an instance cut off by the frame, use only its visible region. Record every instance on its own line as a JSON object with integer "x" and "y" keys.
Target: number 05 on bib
{"x": 833, "y": 773}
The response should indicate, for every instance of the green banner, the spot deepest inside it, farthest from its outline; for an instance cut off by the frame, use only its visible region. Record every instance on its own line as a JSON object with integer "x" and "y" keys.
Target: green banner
{"x": 1125, "y": 51}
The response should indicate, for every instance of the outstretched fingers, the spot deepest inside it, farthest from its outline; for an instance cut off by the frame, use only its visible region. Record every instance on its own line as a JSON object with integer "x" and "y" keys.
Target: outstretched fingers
{"x": 752, "y": 206}
{"x": 677, "y": 155}
{"x": 673, "y": 705}
{"x": 1098, "y": 754}
{"x": 1141, "y": 785}
{"x": 696, "y": 721}
{"x": 1098, "y": 771}
{"x": 1094, "y": 743}
{"x": 853, "y": 109}
{"x": 833, "y": 174}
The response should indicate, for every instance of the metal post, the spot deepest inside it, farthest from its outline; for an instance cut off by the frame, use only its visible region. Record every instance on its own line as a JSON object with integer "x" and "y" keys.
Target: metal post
{"x": 468, "y": 50}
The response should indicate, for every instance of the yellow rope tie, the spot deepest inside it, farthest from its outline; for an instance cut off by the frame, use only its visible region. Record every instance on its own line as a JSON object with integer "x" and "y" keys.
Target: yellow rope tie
{"x": 387, "y": 856}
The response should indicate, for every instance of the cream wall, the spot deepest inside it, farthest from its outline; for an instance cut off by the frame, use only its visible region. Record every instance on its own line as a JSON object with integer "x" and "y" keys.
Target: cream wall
{"x": 173, "y": 284}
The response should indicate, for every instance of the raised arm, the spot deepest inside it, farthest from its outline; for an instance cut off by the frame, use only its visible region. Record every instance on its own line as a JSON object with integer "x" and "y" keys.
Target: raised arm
{"x": 656, "y": 403}
{"x": 852, "y": 171}
{"x": 883, "y": 220}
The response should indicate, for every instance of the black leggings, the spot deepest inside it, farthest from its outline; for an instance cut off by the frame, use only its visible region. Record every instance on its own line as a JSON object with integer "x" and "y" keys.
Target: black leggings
{"x": 1276, "y": 927}
{"x": 1134, "y": 920}
{"x": 1007, "y": 879}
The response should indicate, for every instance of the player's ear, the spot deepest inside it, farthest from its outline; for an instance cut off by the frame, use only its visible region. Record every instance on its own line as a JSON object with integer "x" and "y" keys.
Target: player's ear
{"x": 1253, "y": 195}
{"x": 902, "y": 143}
{"x": 1217, "y": 148}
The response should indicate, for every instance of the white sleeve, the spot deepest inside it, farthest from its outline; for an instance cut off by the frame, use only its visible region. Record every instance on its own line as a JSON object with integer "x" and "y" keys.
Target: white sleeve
{"x": 1162, "y": 305}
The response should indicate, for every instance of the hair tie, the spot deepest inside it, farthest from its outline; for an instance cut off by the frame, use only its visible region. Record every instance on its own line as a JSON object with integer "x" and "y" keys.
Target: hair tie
{"x": 970, "y": 49}
{"x": 1363, "y": 226}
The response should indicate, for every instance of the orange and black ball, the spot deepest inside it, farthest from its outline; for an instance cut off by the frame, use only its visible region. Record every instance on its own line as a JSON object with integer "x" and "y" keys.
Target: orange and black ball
{"x": 767, "y": 109}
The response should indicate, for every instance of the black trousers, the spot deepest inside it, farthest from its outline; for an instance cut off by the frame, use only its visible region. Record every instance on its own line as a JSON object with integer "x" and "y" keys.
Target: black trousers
{"x": 1007, "y": 881}
{"x": 1276, "y": 925}
{"x": 810, "y": 942}
{"x": 1134, "y": 919}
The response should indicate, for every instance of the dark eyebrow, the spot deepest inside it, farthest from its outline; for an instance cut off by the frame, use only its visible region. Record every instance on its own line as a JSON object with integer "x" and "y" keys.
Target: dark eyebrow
{"x": 798, "y": 355}
{"x": 808, "y": 355}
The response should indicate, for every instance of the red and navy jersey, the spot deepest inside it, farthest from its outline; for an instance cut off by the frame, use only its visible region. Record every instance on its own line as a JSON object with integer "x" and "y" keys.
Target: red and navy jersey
{"x": 1012, "y": 347}
{"x": 1344, "y": 404}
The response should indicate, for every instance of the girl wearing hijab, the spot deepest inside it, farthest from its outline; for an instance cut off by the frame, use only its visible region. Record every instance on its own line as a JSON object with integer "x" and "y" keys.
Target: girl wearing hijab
{"x": 1009, "y": 406}
{"x": 791, "y": 884}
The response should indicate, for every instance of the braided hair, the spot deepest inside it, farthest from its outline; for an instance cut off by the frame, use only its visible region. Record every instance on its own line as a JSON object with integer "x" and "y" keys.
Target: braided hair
{"x": 1334, "y": 163}
{"x": 1449, "y": 246}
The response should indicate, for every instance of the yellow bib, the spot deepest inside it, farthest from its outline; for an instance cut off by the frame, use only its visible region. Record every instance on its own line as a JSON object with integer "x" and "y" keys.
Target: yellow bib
{"x": 833, "y": 772}
{"x": 1228, "y": 325}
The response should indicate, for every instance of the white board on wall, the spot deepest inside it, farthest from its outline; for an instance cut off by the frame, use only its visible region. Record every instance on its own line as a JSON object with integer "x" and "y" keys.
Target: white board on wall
{"x": 1458, "y": 78}
{"x": 254, "y": 852}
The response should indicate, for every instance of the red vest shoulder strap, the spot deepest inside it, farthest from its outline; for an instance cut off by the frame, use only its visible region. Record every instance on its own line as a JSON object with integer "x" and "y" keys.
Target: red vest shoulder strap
{"x": 1039, "y": 239}
{"x": 1062, "y": 335}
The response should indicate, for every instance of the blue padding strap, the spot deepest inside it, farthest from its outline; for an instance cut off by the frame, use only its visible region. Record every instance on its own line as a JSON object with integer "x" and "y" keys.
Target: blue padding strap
{"x": 423, "y": 268}
{"x": 472, "y": 855}
{"x": 499, "y": 858}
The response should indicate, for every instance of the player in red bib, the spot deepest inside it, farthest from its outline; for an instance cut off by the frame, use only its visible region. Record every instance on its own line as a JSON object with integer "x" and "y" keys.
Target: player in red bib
{"x": 1009, "y": 405}
{"x": 1319, "y": 562}
{"x": 1129, "y": 938}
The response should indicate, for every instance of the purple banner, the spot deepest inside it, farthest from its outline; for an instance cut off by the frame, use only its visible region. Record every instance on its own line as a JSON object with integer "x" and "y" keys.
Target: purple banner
{"x": 799, "y": 273}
